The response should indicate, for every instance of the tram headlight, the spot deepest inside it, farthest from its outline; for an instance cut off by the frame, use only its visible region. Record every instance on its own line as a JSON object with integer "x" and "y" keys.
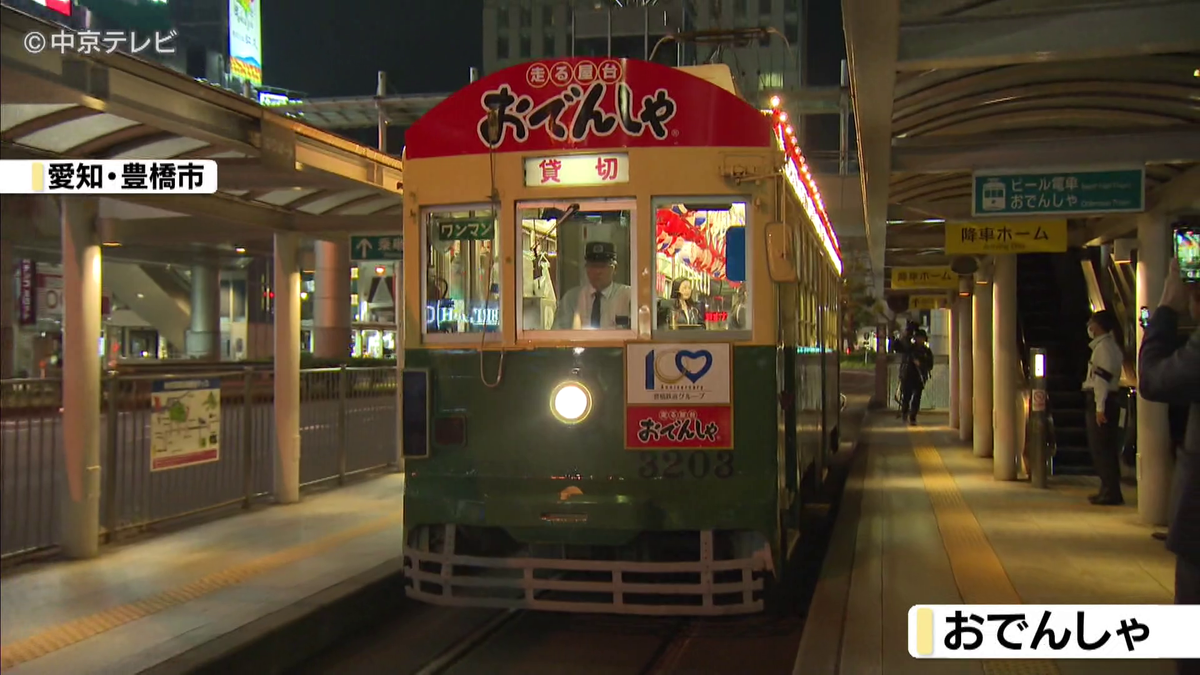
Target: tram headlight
{"x": 571, "y": 402}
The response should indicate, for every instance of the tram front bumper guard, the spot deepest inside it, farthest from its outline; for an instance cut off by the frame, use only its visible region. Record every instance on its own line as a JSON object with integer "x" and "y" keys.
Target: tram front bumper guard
{"x": 431, "y": 577}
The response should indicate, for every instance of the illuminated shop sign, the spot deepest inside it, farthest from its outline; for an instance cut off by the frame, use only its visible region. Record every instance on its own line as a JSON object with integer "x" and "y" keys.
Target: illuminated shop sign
{"x": 452, "y": 312}
{"x": 268, "y": 100}
{"x": 577, "y": 170}
{"x": 245, "y": 40}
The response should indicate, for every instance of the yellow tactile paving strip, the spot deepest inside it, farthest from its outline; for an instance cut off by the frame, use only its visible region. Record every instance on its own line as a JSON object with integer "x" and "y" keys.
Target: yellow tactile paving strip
{"x": 72, "y": 632}
{"x": 978, "y": 573}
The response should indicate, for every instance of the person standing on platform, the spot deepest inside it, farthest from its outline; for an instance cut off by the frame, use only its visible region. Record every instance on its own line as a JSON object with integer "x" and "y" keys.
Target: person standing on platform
{"x": 914, "y": 373}
{"x": 1170, "y": 374}
{"x": 901, "y": 346}
{"x": 1101, "y": 407}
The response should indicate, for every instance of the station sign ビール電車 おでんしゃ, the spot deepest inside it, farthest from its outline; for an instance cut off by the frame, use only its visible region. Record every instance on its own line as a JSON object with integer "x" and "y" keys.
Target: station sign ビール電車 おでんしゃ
{"x": 585, "y": 104}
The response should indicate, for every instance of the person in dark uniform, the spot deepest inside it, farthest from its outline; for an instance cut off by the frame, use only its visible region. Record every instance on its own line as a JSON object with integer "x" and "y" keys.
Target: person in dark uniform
{"x": 1102, "y": 407}
{"x": 914, "y": 373}
{"x": 1170, "y": 374}
{"x": 601, "y": 303}
{"x": 901, "y": 345}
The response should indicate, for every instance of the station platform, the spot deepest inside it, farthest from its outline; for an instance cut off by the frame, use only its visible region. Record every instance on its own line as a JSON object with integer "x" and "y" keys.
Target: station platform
{"x": 923, "y": 522}
{"x": 142, "y": 606}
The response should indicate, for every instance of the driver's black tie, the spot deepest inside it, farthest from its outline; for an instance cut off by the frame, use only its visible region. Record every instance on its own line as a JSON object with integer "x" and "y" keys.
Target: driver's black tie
{"x": 596, "y": 310}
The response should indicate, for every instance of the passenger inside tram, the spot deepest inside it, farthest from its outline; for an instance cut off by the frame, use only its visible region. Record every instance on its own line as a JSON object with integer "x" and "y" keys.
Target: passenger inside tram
{"x": 691, "y": 265}
{"x": 683, "y": 310}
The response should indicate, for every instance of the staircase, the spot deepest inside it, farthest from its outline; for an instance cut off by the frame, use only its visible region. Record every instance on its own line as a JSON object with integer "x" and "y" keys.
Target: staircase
{"x": 1052, "y": 310}
{"x": 160, "y": 299}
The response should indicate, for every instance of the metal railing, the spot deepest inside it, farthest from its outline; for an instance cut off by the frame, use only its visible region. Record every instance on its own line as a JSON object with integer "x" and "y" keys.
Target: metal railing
{"x": 348, "y": 421}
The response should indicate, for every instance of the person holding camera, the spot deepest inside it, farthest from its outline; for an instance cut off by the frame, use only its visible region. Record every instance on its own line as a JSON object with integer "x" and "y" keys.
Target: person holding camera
{"x": 1171, "y": 374}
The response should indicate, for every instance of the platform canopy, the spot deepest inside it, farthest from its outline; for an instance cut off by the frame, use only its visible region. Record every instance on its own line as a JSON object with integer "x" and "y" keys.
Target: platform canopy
{"x": 942, "y": 88}
{"x": 276, "y": 173}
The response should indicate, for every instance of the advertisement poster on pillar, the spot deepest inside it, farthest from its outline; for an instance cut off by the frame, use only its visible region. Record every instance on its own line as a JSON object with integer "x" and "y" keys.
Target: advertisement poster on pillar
{"x": 245, "y": 40}
{"x": 50, "y": 298}
{"x": 185, "y": 423}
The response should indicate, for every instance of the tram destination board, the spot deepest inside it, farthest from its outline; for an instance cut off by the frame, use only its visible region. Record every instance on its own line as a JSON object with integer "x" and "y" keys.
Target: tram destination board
{"x": 376, "y": 247}
{"x": 1058, "y": 192}
{"x": 466, "y": 229}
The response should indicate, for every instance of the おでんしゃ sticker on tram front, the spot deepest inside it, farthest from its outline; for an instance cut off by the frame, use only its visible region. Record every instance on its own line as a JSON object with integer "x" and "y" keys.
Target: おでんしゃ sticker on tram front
{"x": 678, "y": 396}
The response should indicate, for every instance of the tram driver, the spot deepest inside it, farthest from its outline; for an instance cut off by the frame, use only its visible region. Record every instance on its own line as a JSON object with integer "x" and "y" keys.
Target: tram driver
{"x": 601, "y": 304}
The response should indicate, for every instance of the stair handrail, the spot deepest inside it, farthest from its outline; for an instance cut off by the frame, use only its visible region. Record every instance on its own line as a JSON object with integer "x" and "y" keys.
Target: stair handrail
{"x": 1127, "y": 311}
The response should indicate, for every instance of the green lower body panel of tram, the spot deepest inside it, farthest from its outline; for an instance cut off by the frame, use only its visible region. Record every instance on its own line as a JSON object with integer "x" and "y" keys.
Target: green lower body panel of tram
{"x": 513, "y": 507}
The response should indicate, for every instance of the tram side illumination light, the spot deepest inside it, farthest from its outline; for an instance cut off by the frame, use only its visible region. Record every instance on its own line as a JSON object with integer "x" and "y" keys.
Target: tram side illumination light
{"x": 798, "y": 175}
{"x": 775, "y": 101}
{"x": 571, "y": 402}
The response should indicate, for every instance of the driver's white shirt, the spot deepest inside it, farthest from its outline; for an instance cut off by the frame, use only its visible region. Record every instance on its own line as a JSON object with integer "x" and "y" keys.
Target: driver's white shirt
{"x": 616, "y": 300}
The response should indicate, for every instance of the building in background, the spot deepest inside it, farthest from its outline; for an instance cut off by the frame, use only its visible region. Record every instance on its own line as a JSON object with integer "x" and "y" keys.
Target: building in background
{"x": 523, "y": 30}
{"x": 218, "y": 41}
{"x": 224, "y": 41}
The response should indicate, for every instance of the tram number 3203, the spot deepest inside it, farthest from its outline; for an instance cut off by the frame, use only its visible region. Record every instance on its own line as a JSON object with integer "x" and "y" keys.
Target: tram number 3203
{"x": 676, "y": 464}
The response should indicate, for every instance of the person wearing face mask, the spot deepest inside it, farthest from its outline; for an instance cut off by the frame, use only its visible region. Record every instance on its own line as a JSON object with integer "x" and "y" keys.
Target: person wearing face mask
{"x": 1168, "y": 373}
{"x": 1102, "y": 408}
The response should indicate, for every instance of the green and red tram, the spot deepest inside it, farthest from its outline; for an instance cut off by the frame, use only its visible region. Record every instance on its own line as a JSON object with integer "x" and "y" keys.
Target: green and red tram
{"x": 621, "y": 318}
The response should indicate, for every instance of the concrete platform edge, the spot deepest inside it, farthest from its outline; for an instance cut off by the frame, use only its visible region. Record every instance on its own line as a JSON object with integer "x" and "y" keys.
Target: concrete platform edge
{"x": 285, "y": 639}
{"x": 821, "y": 642}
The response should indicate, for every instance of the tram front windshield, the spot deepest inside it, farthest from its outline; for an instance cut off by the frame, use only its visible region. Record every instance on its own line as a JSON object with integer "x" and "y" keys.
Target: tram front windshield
{"x": 577, "y": 262}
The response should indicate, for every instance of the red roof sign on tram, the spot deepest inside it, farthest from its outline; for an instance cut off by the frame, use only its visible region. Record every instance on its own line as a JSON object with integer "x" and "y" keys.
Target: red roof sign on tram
{"x": 586, "y": 104}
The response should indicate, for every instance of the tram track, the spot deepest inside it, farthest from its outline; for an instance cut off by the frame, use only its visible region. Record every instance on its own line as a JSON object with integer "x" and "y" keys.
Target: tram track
{"x": 459, "y": 650}
{"x": 529, "y": 642}
{"x": 663, "y": 659}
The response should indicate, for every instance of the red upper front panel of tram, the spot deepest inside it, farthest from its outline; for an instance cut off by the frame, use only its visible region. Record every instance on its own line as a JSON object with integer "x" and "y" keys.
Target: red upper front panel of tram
{"x": 586, "y": 104}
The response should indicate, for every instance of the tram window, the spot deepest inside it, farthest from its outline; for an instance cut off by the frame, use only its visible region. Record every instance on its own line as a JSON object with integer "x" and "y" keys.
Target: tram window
{"x": 575, "y": 268}
{"x": 462, "y": 291}
{"x": 692, "y": 288}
